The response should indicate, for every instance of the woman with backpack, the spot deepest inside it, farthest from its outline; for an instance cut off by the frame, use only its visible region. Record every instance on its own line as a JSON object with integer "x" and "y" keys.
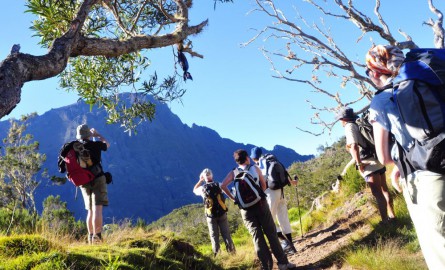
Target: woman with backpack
{"x": 423, "y": 190}
{"x": 370, "y": 168}
{"x": 215, "y": 210}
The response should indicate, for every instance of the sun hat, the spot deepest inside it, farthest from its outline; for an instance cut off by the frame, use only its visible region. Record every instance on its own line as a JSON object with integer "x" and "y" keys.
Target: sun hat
{"x": 346, "y": 114}
{"x": 384, "y": 59}
{"x": 83, "y": 132}
{"x": 256, "y": 153}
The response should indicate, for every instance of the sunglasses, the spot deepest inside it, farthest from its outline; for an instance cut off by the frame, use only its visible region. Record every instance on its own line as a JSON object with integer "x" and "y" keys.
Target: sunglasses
{"x": 367, "y": 71}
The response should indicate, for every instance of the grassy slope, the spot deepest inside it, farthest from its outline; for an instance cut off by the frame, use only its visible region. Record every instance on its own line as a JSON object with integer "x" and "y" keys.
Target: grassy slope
{"x": 180, "y": 240}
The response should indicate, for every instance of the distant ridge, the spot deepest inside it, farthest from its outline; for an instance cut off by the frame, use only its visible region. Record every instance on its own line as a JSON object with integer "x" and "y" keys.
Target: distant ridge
{"x": 153, "y": 171}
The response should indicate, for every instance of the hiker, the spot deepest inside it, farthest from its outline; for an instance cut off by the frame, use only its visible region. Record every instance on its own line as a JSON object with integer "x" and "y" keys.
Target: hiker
{"x": 369, "y": 167}
{"x": 94, "y": 193}
{"x": 257, "y": 218}
{"x": 277, "y": 202}
{"x": 216, "y": 211}
{"x": 423, "y": 190}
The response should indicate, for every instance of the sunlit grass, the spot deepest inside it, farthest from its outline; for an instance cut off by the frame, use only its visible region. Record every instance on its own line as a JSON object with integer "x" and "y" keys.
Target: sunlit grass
{"x": 389, "y": 254}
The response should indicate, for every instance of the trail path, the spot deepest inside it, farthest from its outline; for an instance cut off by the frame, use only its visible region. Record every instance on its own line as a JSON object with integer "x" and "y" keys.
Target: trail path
{"x": 317, "y": 245}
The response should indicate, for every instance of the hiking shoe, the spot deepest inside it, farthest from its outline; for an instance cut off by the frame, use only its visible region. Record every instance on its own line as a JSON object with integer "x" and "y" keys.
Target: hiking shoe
{"x": 286, "y": 266}
{"x": 288, "y": 248}
{"x": 291, "y": 250}
{"x": 96, "y": 239}
{"x": 90, "y": 239}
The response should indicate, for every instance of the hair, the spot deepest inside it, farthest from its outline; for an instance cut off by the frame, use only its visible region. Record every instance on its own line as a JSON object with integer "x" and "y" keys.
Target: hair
{"x": 240, "y": 156}
{"x": 206, "y": 174}
{"x": 385, "y": 59}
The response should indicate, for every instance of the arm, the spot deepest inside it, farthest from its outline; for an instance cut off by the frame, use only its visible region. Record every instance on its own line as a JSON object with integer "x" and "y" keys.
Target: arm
{"x": 197, "y": 185}
{"x": 262, "y": 181}
{"x": 224, "y": 186}
{"x": 395, "y": 177}
{"x": 381, "y": 139}
{"x": 101, "y": 138}
{"x": 355, "y": 153}
{"x": 294, "y": 181}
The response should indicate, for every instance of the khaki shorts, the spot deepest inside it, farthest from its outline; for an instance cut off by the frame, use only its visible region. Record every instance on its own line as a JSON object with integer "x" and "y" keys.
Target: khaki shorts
{"x": 95, "y": 193}
{"x": 371, "y": 165}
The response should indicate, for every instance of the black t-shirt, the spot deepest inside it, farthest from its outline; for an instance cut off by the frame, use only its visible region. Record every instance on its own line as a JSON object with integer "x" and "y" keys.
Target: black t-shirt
{"x": 95, "y": 149}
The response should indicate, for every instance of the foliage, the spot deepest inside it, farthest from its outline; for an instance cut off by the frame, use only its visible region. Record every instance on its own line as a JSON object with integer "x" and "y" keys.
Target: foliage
{"x": 59, "y": 221}
{"x": 19, "y": 165}
{"x": 104, "y": 47}
{"x": 317, "y": 175}
{"x": 19, "y": 221}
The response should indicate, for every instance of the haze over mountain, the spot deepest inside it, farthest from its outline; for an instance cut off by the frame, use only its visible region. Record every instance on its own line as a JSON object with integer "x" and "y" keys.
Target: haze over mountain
{"x": 154, "y": 171}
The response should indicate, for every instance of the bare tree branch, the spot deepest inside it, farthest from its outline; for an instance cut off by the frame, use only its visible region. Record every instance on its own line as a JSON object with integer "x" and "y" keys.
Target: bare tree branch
{"x": 437, "y": 25}
{"x": 312, "y": 47}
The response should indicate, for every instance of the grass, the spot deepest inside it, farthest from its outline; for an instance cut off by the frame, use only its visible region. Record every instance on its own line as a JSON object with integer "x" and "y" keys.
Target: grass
{"x": 389, "y": 254}
{"x": 136, "y": 247}
{"x": 135, "y": 251}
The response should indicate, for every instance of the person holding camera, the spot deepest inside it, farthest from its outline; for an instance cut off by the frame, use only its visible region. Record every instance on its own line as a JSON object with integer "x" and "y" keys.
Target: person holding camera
{"x": 95, "y": 194}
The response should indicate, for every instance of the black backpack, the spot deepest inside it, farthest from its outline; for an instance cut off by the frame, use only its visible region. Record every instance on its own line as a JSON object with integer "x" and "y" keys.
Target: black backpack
{"x": 419, "y": 92}
{"x": 366, "y": 131}
{"x": 247, "y": 192}
{"x": 214, "y": 200}
{"x": 277, "y": 175}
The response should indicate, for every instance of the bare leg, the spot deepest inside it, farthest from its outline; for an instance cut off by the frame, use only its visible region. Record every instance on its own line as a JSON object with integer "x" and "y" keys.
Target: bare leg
{"x": 97, "y": 219}
{"x": 376, "y": 189}
{"x": 388, "y": 198}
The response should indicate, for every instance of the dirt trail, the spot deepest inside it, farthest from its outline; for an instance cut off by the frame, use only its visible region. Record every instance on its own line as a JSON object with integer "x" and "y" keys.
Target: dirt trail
{"x": 317, "y": 245}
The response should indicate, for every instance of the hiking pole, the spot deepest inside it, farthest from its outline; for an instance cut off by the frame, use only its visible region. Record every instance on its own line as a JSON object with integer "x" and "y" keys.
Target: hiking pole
{"x": 298, "y": 204}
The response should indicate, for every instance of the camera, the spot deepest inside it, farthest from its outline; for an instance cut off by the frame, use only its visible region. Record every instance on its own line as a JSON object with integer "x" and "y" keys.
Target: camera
{"x": 108, "y": 177}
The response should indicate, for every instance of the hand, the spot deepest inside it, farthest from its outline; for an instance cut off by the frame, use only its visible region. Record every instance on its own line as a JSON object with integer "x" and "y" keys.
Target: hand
{"x": 395, "y": 179}
{"x": 94, "y": 132}
{"x": 361, "y": 167}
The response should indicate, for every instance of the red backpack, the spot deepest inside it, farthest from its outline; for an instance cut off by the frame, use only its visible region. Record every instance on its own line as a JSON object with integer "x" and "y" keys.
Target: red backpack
{"x": 69, "y": 163}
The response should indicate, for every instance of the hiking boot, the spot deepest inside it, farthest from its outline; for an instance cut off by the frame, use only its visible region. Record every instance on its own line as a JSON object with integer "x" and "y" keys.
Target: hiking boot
{"x": 291, "y": 251}
{"x": 288, "y": 248}
{"x": 97, "y": 239}
{"x": 287, "y": 266}
{"x": 90, "y": 239}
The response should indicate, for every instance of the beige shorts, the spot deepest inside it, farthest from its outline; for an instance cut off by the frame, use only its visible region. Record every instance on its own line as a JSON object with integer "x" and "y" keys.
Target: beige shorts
{"x": 371, "y": 165}
{"x": 95, "y": 193}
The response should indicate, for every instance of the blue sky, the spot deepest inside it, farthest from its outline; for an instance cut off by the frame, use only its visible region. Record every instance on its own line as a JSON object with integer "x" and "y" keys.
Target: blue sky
{"x": 233, "y": 91}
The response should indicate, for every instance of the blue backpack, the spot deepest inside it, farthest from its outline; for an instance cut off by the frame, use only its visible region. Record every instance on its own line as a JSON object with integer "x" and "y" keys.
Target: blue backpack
{"x": 419, "y": 92}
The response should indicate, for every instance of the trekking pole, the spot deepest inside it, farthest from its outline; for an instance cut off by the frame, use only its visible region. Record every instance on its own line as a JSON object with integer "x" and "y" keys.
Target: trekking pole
{"x": 298, "y": 204}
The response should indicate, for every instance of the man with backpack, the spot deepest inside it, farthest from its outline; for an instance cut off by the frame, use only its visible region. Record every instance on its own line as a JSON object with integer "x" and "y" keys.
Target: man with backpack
{"x": 405, "y": 84}
{"x": 215, "y": 210}
{"x": 277, "y": 178}
{"x": 94, "y": 193}
{"x": 249, "y": 186}
{"x": 369, "y": 167}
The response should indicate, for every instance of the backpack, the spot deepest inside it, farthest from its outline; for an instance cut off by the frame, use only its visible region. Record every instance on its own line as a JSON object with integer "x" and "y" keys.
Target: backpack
{"x": 366, "y": 131}
{"x": 247, "y": 191}
{"x": 213, "y": 200}
{"x": 419, "y": 93}
{"x": 75, "y": 160}
{"x": 277, "y": 175}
